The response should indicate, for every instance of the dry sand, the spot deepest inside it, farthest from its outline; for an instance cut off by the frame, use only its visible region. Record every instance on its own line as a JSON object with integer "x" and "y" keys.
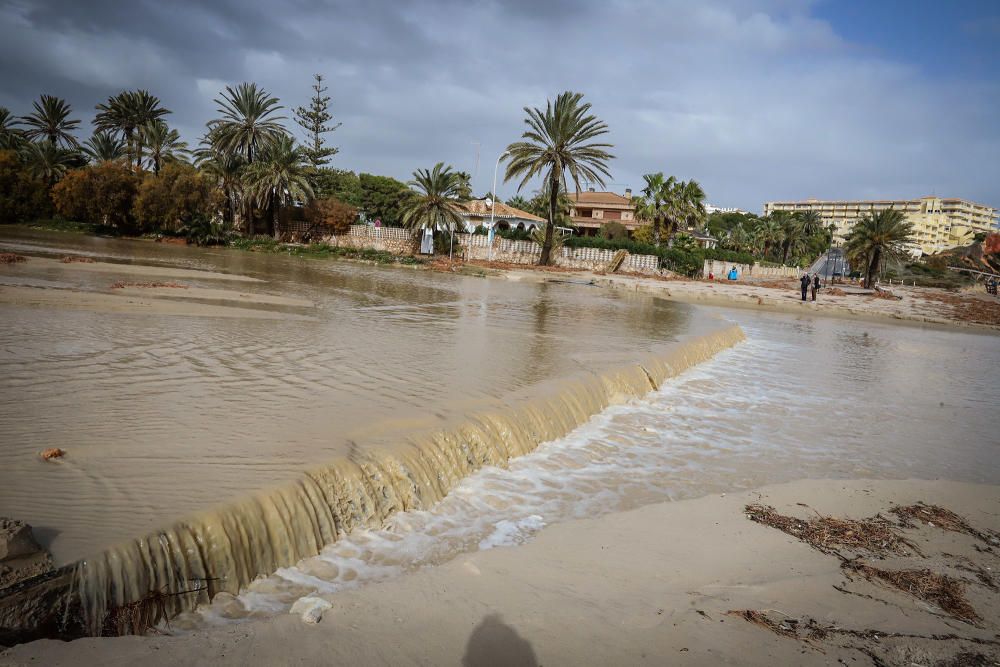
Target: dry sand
{"x": 656, "y": 585}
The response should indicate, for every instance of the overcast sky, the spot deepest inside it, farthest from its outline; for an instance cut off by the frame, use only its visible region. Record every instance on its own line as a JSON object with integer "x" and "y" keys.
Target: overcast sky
{"x": 756, "y": 99}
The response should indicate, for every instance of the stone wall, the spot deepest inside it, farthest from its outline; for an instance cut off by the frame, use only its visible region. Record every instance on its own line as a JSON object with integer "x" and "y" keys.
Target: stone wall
{"x": 396, "y": 240}
{"x": 748, "y": 271}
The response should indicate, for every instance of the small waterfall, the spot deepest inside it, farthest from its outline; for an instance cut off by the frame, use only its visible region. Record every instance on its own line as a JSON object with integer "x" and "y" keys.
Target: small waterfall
{"x": 225, "y": 548}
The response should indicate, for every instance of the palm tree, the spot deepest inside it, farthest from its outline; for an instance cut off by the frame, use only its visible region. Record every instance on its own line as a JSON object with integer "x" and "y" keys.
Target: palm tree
{"x": 50, "y": 121}
{"x": 126, "y": 112}
{"x": 437, "y": 201}
{"x": 279, "y": 176}
{"x": 558, "y": 140}
{"x": 654, "y": 204}
{"x": 248, "y": 125}
{"x": 227, "y": 170}
{"x": 104, "y": 146}
{"x": 767, "y": 235}
{"x": 690, "y": 199}
{"x": 161, "y": 144}
{"x": 791, "y": 233}
{"x": 47, "y": 161}
{"x": 518, "y": 202}
{"x": 879, "y": 237}
{"x": 11, "y": 138}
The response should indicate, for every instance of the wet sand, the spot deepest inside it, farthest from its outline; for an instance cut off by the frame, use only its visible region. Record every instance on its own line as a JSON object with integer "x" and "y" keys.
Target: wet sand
{"x": 655, "y": 585}
{"x": 151, "y": 301}
{"x": 918, "y": 305}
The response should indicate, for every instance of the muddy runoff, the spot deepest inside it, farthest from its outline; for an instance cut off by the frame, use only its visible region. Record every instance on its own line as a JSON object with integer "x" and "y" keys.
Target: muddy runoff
{"x": 393, "y": 386}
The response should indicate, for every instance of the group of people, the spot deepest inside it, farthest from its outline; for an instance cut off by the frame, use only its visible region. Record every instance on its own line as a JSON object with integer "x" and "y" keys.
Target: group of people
{"x": 808, "y": 282}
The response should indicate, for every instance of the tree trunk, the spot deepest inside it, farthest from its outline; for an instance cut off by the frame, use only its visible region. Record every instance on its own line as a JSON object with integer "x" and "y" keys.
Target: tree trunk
{"x": 276, "y": 209}
{"x": 656, "y": 230}
{"x": 550, "y": 228}
{"x": 873, "y": 267}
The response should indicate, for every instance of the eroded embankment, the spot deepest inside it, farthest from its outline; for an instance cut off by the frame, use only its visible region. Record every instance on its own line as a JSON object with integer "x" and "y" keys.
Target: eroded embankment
{"x": 135, "y": 584}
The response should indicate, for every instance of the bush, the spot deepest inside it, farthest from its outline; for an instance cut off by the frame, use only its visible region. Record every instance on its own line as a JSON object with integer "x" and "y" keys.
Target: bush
{"x": 175, "y": 198}
{"x": 100, "y": 195}
{"x": 331, "y": 213}
{"x": 22, "y": 197}
{"x": 514, "y": 234}
{"x": 613, "y": 231}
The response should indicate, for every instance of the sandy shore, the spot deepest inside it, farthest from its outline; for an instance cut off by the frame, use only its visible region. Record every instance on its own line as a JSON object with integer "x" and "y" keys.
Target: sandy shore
{"x": 916, "y": 304}
{"x": 33, "y": 263}
{"x": 663, "y": 584}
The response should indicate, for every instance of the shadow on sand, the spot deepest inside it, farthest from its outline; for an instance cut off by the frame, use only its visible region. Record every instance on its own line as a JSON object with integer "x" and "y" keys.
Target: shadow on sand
{"x": 495, "y": 644}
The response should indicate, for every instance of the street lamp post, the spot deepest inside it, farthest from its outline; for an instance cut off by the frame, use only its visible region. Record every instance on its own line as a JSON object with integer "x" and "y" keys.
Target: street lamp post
{"x": 493, "y": 206}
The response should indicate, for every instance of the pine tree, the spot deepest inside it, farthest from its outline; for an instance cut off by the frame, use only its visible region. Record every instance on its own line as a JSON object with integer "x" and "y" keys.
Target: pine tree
{"x": 313, "y": 119}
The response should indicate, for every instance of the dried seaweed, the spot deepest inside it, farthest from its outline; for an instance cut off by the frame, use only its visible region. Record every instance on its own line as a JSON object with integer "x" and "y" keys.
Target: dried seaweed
{"x": 875, "y": 535}
{"x": 11, "y": 258}
{"x": 942, "y": 518}
{"x": 784, "y": 629}
{"x": 944, "y": 592}
{"x": 76, "y": 259}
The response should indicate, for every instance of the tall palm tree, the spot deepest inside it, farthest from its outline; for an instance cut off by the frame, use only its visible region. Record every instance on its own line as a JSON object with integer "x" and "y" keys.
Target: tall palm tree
{"x": 812, "y": 223}
{"x": 126, "y": 112}
{"x": 654, "y": 204}
{"x": 50, "y": 121}
{"x": 436, "y": 204}
{"x": 104, "y": 146}
{"x": 11, "y": 138}
{"x": 279, "y": 176}
{"x": 792, "y": 235}
{"x": 47, "y": 161}
{"x": 248, "y": 124}
{"x": 877, "y": 238}
{"x": 558, "y": 140}
{"x": 161, "y": 144}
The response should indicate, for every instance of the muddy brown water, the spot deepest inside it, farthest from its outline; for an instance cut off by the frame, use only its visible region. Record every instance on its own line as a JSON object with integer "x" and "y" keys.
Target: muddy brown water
{"x": 202, "y": 445}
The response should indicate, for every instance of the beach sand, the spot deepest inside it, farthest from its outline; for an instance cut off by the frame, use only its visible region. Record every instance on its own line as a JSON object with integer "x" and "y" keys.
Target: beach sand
{"x": 663, "y": 584}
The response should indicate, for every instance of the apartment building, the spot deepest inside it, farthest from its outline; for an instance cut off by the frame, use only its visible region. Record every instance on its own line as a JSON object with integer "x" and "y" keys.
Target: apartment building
{"x": 938, "y": 222}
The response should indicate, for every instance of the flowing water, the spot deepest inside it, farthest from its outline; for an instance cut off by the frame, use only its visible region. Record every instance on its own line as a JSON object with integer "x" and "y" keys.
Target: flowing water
{"x": 800, "y": 398}
{"x": 394, "y": 423}
{"x": 221, "y": 448}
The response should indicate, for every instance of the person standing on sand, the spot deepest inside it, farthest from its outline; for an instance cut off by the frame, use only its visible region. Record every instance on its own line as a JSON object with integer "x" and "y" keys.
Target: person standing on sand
{"x": 804, "y": 282}
{"x": 815, "y": 285}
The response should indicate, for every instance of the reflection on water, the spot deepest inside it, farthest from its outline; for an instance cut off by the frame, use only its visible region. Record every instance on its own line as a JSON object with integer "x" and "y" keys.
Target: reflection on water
{"x": 162, "y": 416}
{"x": 816, "y": 398}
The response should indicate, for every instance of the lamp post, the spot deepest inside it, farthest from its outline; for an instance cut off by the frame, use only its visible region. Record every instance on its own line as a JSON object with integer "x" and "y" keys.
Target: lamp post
{"x": 493, "y": 206}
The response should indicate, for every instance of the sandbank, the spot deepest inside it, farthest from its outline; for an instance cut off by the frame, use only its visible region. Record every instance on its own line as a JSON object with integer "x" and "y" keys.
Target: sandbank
{"x": 35, "y": 263}
{"x": 663, "y": 584}
{"x": 132, "y": 301}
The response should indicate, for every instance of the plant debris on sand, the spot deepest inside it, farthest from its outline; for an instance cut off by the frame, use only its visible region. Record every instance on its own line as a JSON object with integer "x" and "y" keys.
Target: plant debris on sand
{"x": 825, "y": 533}
{"x": 940, "y": 517}
{"x": 943, "y": 591}
{"x": 120, "y": 284}
{"x": 11, "y": 258}
{"x": 882, "y": 647}
{"x": 70, "y": 259}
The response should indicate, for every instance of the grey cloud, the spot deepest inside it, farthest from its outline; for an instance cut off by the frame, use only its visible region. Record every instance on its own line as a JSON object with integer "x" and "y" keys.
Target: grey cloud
{"x": 755, "y": 99}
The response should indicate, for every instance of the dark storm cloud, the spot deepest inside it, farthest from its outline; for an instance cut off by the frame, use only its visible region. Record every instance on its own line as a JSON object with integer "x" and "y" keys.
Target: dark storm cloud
{"x": 754, "y": 98}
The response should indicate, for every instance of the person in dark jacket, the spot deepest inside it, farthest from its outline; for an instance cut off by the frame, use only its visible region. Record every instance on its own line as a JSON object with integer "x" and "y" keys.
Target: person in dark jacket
{"x": 815, "y": 285}
{"x": 804, "y": 281}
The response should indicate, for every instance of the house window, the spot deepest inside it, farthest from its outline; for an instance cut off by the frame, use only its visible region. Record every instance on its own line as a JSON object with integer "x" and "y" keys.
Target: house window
{"x": 597, "y": 213}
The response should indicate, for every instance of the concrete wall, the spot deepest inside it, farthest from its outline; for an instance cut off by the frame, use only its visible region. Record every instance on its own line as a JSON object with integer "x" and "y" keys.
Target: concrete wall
{"x": 475, "y": 247}
{"x": 748, "y": 271}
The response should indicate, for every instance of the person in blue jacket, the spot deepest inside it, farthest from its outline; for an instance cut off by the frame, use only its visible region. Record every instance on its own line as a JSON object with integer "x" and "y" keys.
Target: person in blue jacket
{"x": 733, "y": 275}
